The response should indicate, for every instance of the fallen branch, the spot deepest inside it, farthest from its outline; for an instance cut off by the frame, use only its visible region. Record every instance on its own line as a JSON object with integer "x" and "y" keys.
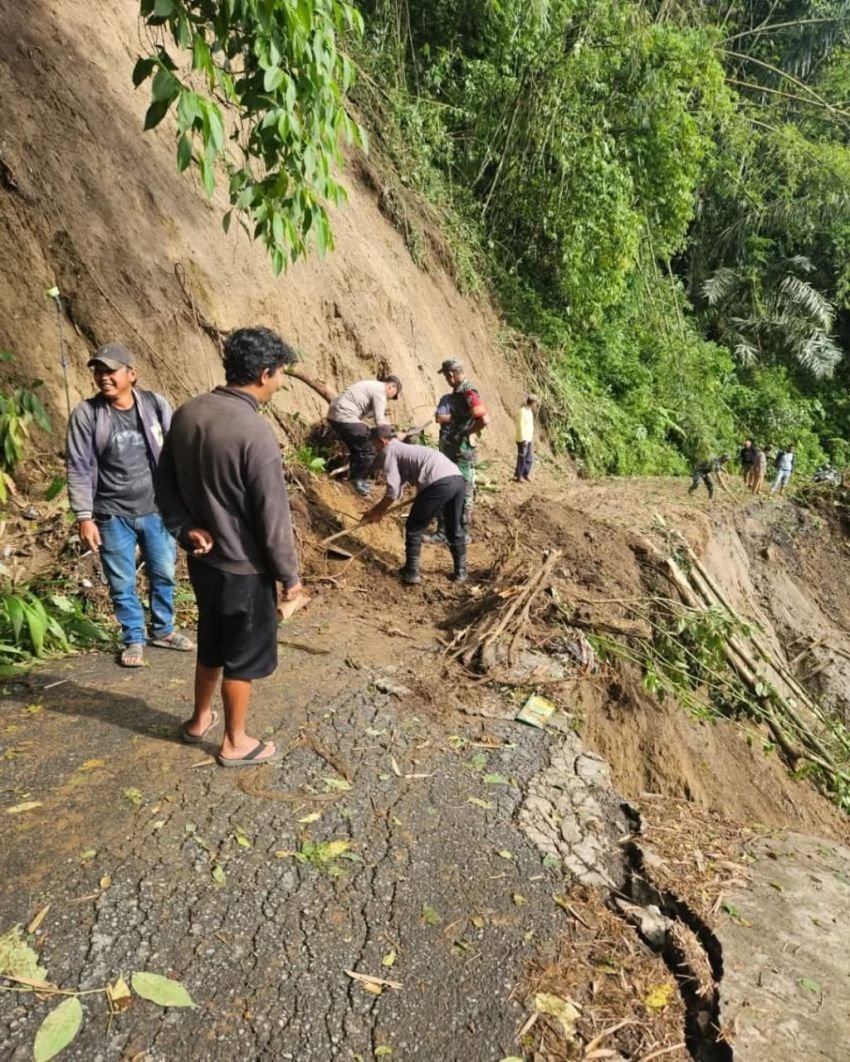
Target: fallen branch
{"x": 507, "y": 608}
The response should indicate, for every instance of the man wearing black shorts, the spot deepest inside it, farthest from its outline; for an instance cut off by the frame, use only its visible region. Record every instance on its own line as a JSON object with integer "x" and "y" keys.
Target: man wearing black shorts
{"x": 221, "y": 492}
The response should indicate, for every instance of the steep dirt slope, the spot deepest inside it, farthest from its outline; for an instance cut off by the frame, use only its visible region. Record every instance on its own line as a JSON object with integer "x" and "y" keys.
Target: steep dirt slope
{"x": 779, "y": 567}
{"x": 90, "y": 203}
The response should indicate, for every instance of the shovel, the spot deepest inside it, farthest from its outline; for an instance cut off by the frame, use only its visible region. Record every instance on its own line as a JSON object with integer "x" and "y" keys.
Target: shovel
{"x": 361, "y": 523}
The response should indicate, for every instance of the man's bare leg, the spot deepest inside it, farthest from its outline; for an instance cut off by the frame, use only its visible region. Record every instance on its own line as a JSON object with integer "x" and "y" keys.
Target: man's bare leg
{"x": 236, "y": 693}
{"x": 206, "y": 683}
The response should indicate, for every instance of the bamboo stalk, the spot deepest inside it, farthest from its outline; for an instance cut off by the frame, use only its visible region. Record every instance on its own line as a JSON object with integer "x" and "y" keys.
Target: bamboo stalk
{"x": 790, "y": 680}
{"x": 744, "y": 665}
{"x": 805, "y": 652}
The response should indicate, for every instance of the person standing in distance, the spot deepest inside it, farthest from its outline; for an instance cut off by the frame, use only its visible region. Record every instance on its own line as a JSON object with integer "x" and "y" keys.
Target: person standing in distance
{"x": 221, "y": 490}
{"x": 525, "y": 440}
{"x": 113, "y": 445}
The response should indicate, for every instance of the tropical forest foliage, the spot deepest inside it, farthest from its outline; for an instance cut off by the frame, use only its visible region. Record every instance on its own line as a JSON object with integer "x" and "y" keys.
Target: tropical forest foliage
{"x": 658, "y": 193}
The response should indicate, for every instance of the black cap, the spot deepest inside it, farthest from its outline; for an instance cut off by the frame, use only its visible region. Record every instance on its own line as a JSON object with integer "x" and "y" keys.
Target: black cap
{"x": 394, "y": 380}
{"x": 451, "y": 365}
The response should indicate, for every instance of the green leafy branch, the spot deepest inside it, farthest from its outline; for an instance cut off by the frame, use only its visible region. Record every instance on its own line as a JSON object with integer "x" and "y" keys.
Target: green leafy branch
{"x": 274, "y": 68}
{"x": 20, "y": 408}
{"x": 33, "y": 625}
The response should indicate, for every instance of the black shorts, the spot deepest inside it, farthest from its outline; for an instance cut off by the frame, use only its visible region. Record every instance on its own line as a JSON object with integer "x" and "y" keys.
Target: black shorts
{"x": 237, "y": 621}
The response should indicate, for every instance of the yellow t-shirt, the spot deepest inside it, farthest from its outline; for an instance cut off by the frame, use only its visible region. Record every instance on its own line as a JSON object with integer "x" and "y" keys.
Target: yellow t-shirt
{"x": 524, "y": 425}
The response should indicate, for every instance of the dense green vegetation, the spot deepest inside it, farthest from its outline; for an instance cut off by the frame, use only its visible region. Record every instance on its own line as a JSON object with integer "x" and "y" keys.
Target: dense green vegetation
{"x": 660, "y": 195}
{"x": 34, "y": 621}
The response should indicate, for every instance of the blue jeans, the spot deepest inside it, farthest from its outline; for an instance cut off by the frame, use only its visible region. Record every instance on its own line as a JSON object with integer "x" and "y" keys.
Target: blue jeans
{"x": 119, "y": 537}
{"x": 524, "y": 459}
{"x": 782, "y": 477}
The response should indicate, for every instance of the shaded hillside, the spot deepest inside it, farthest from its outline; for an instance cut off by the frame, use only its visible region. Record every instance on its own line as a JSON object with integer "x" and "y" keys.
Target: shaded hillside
{"x": 89, "y": 203}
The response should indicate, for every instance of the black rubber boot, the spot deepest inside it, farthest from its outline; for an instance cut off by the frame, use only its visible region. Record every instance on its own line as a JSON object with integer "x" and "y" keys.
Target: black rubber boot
{"x": 410, "y": 573}
{"x": 460, "y": 574}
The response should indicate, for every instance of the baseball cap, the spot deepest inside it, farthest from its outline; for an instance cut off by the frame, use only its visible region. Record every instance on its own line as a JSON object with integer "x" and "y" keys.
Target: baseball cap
{"x": 393, "y": 379}
{"x": 113, "y": 356}
{"x": 451, "y": 365}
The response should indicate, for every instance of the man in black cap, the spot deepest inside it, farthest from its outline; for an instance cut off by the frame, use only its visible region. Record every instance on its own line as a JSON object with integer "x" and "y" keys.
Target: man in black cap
{"x": 346, "y": 414}
{"x": 113, "y": 446}
{"x": 462, "y": 416}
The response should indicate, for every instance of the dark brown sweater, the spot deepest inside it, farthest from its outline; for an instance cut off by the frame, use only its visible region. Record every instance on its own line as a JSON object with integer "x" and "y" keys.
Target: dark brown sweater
{"x": 220, "y": 470}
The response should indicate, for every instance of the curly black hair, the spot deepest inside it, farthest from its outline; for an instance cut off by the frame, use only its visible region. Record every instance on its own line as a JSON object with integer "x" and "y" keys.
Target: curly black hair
{"x": 248, "y": 351}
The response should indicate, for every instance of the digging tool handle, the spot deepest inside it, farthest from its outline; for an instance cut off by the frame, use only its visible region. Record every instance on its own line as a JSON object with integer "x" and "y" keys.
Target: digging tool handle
{"x": 362, "y": 523}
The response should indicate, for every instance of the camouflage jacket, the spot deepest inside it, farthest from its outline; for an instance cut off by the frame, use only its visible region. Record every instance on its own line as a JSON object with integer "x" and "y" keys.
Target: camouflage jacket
{"x": 465, "y": 407}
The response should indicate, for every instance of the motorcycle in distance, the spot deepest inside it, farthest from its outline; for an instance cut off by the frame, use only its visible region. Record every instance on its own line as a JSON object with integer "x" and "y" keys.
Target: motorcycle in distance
{"x": 827, "y": 474}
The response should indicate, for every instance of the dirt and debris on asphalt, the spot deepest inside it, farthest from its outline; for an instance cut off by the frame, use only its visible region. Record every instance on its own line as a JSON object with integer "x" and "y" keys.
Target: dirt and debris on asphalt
{"x": 422, "y": 874}
{"x": 388, "y": 843}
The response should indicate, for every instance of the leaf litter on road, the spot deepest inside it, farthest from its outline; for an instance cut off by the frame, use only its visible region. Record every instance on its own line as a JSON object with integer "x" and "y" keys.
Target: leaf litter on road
{"x": 58, "y": 1029}
{"x": 163, "y": 991}
{"x": 27, "y": 805}
{"x": 17, "y": 958}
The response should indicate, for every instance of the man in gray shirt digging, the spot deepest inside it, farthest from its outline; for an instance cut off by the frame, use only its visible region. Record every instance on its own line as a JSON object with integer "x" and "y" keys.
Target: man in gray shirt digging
{"x": 346, "y": 414}
{"x": 440, "y": 489}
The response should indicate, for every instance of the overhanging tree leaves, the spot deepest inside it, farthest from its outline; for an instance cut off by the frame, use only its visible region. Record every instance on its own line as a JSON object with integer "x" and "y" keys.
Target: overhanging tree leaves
{"x": 259, "y": 90}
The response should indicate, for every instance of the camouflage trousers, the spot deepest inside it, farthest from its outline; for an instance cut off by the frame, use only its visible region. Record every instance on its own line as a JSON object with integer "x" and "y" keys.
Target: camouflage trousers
{"x": 466, "y": 467}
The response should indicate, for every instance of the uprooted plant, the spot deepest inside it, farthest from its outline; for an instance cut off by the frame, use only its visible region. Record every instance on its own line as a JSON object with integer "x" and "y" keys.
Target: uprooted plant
{"x": 20, "y": 408}
{"x": 38, "y": 620}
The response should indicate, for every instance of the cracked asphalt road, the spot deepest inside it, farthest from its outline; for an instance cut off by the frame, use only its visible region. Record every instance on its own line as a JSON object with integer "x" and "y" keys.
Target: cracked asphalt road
{"x": 132, "y": 826}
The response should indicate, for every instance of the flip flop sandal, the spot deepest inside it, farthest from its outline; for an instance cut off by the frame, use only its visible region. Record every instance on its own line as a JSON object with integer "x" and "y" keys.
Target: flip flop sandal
{"x": 133, "y": 656}
{"x": 196, "y": 739}
{"x": 175, "y": 641}
{"x": 250, "y": 760}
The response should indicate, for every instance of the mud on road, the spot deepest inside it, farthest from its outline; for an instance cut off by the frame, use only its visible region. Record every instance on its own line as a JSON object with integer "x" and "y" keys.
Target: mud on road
{"x": 414, "y": 833}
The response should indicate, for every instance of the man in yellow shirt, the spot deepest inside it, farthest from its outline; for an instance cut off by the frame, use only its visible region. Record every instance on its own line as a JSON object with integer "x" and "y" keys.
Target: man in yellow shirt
{"x": 525, "y": 439}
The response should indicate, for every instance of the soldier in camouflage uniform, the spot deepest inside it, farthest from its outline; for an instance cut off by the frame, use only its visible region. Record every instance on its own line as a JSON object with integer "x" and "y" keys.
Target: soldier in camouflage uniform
{"x": 461, "y": 415}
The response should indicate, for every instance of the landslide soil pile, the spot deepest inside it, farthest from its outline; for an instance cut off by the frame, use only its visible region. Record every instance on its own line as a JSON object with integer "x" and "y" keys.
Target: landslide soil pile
{"x": 91, "y": 204}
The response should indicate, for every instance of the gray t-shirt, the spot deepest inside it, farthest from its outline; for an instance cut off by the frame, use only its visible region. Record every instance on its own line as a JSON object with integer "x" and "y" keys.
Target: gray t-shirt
{"x": 363, "y": 399}
{"x": 417, "y": 465}
{"x": 125, "y": 482}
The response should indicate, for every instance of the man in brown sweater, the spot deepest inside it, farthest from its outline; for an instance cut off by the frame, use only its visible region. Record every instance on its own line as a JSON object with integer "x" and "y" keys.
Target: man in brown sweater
{"x": 221, "y": 492}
